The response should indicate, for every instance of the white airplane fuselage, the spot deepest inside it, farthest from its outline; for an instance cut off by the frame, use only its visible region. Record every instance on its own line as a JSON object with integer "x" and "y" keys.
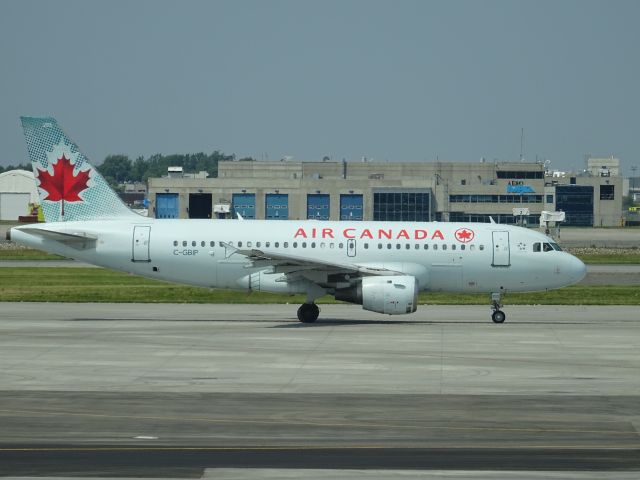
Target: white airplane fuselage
{"x": 441, "y": 256}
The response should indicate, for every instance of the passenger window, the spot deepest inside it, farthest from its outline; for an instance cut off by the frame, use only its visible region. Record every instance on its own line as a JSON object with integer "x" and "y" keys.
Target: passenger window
{"x": 212, "y": 244}
{"x": 366, "y": 246}
{"x": 277, "y": 244}
{"x": 322, "y": 245}
{"x": 331, "y": 245}
{"x": 379, "y": 246}
{"x": 472, "y": 247}
{"x": 193, "y": 243}
{"x": 453, "y": 247}
{"x": 184, "y": 243}
{"x": 313, "y": 244}
{"x": 397, "y": 246}
{"x": 444, "y": 246}
{"x": 426, "y": 246}
{"x": 462, "y": 247}
{"x": 257, "y": 244}
{"x": 304, "y": 244}
{"x": 285, "y": 244}
{"x": 341, "y": 246}
{"x": 536, "y": 247}
{"x": 407, "y": 246}
{"x": 267, "y": 244}
{"x": 388, "y": 246}
{"x": 248, "y": 244}
{"x": 239, "y": 244}
{"x": 175, "y": 243}
{"x": 295, "y": 244}
{"x": 435, "y": 246}
{"x": 417, "y": 246}
{"x": 481, "y": 247}
{"x": 202, "y": 243}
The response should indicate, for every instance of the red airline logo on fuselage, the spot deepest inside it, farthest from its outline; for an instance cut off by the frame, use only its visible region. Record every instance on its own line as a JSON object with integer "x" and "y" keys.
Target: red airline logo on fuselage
{"x": 464, "y": 235}
{"x": 370, "y": 233}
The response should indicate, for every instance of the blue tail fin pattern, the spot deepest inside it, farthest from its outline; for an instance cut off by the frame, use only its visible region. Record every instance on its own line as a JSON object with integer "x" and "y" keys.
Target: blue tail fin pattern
{"x": 70, "y": 187}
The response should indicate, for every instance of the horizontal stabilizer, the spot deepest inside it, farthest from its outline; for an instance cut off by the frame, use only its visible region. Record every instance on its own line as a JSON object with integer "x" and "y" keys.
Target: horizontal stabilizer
{"x": 77, "y": 240}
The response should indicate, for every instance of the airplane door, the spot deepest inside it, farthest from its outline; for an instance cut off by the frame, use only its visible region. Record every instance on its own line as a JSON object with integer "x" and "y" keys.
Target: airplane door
{"x": 141, "y": 237}
{"x": 501, "y": 254}
{"x": 351, "y": 247}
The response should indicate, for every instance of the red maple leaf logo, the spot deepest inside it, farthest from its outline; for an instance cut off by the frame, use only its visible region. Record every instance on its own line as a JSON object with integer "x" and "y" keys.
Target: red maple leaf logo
{"x": 464, "y": 235}
{"x": 63, "y": 185}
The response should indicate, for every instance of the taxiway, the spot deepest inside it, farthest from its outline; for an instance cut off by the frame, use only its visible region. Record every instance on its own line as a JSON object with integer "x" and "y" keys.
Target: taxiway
{"x": 111, "y": 389}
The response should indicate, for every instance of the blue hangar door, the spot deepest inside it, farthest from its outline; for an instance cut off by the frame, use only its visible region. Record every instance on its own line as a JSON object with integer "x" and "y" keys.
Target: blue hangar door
{"x": 351, "y": 207}
{"x": 167, "y": 205}
{"x": 277, "y": 206}
{"x": 318, "y": 206}
{"x": 244, "y": 204}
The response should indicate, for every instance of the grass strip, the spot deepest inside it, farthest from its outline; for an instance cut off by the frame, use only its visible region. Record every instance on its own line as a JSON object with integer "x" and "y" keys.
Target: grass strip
{"x": 589, "y": 258}
{"x": 24, "y": 284}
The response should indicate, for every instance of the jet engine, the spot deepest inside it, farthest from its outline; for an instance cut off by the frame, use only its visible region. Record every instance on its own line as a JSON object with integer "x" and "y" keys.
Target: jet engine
{"x": 393, "y": 295}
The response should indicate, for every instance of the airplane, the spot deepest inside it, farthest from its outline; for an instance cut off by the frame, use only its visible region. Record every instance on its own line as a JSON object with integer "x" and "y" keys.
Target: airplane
{"x": 379, "y": 265}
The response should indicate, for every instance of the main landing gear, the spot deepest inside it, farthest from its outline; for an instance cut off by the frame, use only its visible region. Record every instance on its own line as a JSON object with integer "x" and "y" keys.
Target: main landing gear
{"x": 498, "y": 315}
{"x": 308, "y": 312}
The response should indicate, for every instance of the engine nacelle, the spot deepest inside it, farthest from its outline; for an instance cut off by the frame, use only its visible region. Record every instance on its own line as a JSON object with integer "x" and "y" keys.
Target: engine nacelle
{"x": 393, "y": 295}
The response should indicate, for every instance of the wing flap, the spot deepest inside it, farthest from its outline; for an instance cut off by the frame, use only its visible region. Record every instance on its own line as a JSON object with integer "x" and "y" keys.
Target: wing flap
{"x": 292, "y": 264}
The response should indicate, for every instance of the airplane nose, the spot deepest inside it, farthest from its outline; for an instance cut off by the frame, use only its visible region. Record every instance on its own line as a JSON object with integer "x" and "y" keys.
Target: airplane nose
{"x": 577, "y": 269}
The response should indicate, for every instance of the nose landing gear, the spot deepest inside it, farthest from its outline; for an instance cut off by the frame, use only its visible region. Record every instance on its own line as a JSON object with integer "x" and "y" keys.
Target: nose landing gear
{"x": 498, "y": 315}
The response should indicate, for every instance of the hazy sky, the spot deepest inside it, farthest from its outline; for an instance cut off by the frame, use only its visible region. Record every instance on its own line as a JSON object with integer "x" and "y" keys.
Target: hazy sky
{"x": 393, "y": 80}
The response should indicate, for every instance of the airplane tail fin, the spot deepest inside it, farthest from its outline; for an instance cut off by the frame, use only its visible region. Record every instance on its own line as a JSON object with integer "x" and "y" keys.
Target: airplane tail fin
{"x": 70, "y": 188}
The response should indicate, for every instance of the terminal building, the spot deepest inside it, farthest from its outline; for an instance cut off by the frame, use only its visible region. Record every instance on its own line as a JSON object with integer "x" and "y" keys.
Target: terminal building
{"x": 427, "y": 191}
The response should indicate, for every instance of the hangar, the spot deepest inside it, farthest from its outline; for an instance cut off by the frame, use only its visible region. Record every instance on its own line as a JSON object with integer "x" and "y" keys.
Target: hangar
{"x": 17, "y": 190}
{"x": 387, "y": 191}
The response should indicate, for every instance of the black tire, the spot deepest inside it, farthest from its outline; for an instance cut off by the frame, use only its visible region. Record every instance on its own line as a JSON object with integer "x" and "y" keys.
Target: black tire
{"x": 498, "y": 316}
{"x": 308, "y": 312}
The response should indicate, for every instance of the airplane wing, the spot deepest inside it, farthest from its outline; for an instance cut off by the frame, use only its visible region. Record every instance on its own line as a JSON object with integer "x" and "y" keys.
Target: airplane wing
{"x": 292, "y": 264}
{"x": 77, "y": 240}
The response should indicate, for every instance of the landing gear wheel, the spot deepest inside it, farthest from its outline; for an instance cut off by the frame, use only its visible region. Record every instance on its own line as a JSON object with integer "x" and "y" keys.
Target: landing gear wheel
{"x": 308, "y": 312}
{"x": 498, "y": 316}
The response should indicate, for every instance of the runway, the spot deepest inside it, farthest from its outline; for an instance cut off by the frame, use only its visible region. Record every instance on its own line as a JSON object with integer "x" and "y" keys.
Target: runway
{"x": 186, "y": 391}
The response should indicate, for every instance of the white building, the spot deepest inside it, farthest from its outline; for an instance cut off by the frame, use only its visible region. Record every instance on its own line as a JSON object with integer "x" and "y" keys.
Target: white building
{"x": 17, "y": 190}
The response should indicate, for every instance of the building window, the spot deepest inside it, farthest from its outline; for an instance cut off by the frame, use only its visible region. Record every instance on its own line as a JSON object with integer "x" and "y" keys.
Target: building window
{"x": 520, "y": 175}
{"x": 495, "y": 198}
{"x": 607, "y": 192}
{"x": 549, "y": 198}
{"x": 402, "y": 206}
{"x": 577, "y": 203}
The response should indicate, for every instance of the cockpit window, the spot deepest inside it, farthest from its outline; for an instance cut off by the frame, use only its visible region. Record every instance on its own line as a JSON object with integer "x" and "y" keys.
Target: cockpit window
{"x": 546, "y": 247}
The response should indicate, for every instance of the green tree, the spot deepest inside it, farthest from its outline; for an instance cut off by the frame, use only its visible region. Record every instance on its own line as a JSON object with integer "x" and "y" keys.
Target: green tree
{"x": 116, "y": 169}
